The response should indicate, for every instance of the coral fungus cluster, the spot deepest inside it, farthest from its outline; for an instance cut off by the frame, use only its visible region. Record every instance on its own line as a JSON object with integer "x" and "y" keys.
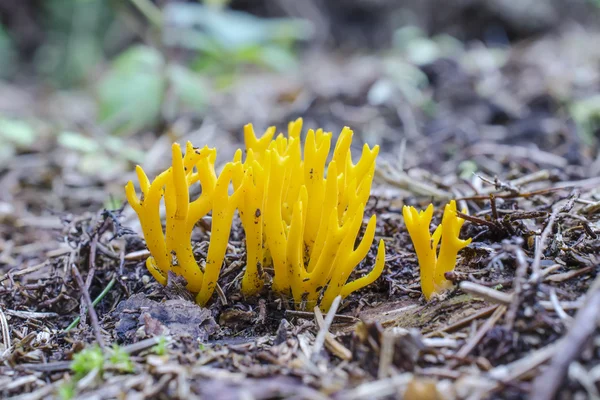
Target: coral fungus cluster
{"x": 301, "y": 216}
{"x": 434, "y": 264}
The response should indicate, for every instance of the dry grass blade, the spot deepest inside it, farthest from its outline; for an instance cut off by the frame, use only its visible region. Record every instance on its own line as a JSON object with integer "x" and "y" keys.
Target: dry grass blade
{"x": 324, "y": 329}
{"x": 394, "y": 177}
{"x": 489, "y": 294}
{"x": 31, "y": 314}
{"x": 565, "y": 276}
{"x": 540, "y": 246}
{"x": 486, "y": 312}
{"x": 24, "y": 271}
{"x": 386, "y": 354}
{"x": 483, "y": 330}
{"x": 90, "y": 306}
{"x": 516, "y": 152}
{"x": 6, "y": 343}
{"x": 338, "y": 349}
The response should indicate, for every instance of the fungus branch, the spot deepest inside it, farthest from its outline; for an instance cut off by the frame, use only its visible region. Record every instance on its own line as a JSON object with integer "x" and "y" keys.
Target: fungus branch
{"x": 300, "y": 215}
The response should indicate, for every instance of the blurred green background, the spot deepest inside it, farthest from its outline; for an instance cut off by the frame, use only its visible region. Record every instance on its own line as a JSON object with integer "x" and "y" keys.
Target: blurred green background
{"x": 135, "y": 56}
{"x": 103, "y": 84}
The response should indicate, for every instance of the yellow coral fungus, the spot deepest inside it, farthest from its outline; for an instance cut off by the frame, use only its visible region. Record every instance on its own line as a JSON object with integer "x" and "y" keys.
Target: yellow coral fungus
{"x": 434, "y": 265}
{"x": 171, "y": 248}
{"x": 312, "y": 214}
{"x": 301, "y": 216}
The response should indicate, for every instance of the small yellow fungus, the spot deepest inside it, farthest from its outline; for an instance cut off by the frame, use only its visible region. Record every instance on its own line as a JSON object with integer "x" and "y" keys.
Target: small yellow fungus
{"x": 433, "y": 264}
{"x": 301, "y": 216}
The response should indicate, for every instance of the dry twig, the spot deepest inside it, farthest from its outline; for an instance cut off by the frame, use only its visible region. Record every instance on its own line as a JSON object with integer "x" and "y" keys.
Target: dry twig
{"x": 483, "y": 330}
{"x": 324, "y": 330}
{"x": 90, "y": 306}
{"x": 546, "y": 385}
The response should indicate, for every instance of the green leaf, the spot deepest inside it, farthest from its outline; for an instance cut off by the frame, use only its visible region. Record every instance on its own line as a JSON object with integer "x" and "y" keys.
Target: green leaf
{"x": 130, "y": 95}
{"x": 586, "y": 114}
{"x": 403, "y": 36}
{"x": 160, "y": 349}
{"x": 409, "y": 79}
{"x": 7, "y": 54}
{"x": 101, "y": 164}
{"x": 78, "y": 142}
{"x": 190, "y": 90}
{"x": 74, "y": 39}
{"x": 66, "y": 390}
{"x": 278, "y": 58}
{"x": 232, "y": 29}
{"x": 114, "y": 202}
{"x": 123, "y": 150}
{"x": 120, "y": 359}
{"x": 17, "y": 132}
{"x": 87, "y": 360}
{"x": 422, "y": 51}
{"x": 106, "y": 157}
{"x": 466, "y": 169}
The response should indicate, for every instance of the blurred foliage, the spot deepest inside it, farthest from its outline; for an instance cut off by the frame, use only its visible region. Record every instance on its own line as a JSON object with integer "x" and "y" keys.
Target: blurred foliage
{"x": 412, "y": 43}
{"x": 15, "y": 134}
{"x": 185, "y": 45}
{"x": 88, "y": 360}
{"x": 75, "y": 32}
{"x": 120, "y": 359}
{"x": 66, "y": 390}
{"x": 7, "y": 54}
{"x": 160, "y": 349}
{"x": 218, "y": 4}
{"x": 402, "y": 73}
{"x": 132, "y": 93}
{"x": 143, "y": 85}
{"x": 93, "y": 360}
{"x": 466, "y": 169}
{"x": 105, "y": 157}
{"x": 586, "y": 114}
{"x": 225, "y": 40}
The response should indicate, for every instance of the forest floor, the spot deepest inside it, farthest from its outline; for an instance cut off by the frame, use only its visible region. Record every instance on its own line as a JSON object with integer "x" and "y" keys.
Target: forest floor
{"x": 503, "y": 131}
